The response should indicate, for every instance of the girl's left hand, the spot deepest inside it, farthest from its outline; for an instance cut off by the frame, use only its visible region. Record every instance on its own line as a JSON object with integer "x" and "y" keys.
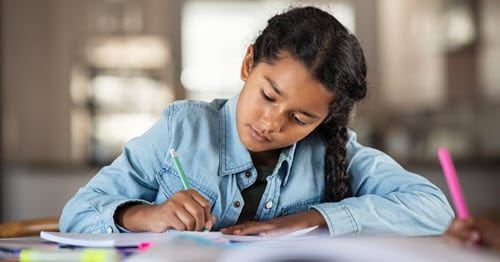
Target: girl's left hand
{"x": 278, "y": 226}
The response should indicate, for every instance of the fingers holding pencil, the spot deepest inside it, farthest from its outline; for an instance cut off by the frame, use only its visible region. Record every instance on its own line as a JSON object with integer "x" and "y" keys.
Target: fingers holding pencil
{"x": 204, "y": 220}
{"x": 193, "y": 210}
{"x": 185, "y": 210}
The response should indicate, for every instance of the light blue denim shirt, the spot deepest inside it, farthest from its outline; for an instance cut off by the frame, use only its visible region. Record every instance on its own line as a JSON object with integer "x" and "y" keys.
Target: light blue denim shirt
{"x": 387, "y": 198}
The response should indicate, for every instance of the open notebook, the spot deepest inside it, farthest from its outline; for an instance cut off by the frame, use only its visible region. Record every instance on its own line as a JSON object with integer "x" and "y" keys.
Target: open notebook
{"x": 134, "y": 239}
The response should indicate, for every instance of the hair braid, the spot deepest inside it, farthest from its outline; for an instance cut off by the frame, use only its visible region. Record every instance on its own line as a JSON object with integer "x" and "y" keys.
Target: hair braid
{"x": 334, "y": 130}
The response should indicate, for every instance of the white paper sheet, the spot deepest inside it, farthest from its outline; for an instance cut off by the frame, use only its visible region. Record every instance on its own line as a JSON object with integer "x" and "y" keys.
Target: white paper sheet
{"x": 134, "y": 239}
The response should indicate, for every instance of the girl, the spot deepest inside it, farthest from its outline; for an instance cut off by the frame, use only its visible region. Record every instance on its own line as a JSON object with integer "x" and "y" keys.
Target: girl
{"x": 275, "y": 158}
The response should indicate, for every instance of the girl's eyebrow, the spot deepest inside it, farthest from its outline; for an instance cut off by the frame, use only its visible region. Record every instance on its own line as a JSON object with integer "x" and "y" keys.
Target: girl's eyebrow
{"x": 277, "y": 89}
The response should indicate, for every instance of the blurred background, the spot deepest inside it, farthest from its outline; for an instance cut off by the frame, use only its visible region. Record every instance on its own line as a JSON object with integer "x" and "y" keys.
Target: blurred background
{"x": 80, "y": 78}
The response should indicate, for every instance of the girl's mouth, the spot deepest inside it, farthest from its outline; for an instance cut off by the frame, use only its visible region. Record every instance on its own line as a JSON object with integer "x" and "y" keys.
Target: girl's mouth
{"x": 259, "y": 136}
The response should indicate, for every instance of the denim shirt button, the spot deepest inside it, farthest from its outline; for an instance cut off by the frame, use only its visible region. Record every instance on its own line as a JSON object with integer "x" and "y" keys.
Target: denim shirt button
{"x": 236, "y": 204}
{"x": 109, "y": 230}
{"x": 248, "y": 174}
{"x": 269, "y": 204}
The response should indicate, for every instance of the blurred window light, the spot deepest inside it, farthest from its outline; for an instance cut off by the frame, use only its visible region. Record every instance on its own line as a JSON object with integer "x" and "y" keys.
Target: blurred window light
{"x": 459, "y": 27}
{"x": 213, "y": 39}
{"x": 344, "y": 12}
{"x": 136, "y": 93}
{"x": 120, "y": 88}
{"x": 138, "y": 51}
{"x": 112, "y": 130}
{"x": 123, "y": 107}
{"x": 215, "y": 35}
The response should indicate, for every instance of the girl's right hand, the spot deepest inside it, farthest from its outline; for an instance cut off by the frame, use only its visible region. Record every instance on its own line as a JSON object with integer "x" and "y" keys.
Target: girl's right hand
{"x": 185, "y": 210}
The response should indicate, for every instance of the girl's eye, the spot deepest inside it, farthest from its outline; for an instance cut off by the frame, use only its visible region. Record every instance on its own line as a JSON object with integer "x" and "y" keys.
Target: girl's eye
{"x": 266, "y": 97}
{"x": 298, "y": 121}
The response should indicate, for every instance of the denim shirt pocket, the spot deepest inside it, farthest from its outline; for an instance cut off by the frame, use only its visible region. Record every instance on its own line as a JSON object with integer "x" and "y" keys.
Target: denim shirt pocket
{"x": 300, "y": 206}
{"x": 170, "y": 183}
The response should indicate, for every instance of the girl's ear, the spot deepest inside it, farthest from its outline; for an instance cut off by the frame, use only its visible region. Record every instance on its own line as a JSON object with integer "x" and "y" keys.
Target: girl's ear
{"x": 247, "y": 64}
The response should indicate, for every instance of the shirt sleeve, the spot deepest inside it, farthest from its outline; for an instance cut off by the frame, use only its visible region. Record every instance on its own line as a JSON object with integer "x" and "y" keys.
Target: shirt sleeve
{"x": 130, "y": 178}
{"x": 386, "y": 198}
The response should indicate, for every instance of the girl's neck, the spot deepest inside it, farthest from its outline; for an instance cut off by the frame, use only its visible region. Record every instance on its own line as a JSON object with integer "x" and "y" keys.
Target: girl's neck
{"x": 266, "y": 158}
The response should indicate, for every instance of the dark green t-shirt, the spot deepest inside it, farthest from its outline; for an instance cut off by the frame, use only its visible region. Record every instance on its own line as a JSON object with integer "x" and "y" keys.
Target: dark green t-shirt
{"x": 253, "y": 194}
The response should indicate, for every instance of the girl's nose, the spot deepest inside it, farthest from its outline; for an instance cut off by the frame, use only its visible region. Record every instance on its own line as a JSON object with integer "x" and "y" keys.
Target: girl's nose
{"x": 272, "y": 121}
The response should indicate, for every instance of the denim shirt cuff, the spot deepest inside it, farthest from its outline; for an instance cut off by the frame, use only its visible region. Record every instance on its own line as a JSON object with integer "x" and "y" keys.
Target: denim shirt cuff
{"x": 338, "y": 217}
{"x": 112, "y": 227}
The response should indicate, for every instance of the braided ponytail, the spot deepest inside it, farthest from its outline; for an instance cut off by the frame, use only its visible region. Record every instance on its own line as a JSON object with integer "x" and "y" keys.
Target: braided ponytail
{"x": 334, "y": 130}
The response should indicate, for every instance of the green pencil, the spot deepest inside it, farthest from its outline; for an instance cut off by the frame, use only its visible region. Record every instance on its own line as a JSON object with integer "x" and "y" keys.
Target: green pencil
{"x": 177, "y": 163}
{"x": 184, "y": 180}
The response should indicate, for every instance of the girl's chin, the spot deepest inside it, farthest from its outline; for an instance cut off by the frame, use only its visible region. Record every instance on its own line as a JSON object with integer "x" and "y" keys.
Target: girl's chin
{"x": 256, "y": 148}
{"x": 253, "y": 146}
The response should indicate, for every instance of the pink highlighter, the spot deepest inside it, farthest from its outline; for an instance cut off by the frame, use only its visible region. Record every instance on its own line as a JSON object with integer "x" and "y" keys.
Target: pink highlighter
{"x": 453, "y": 184}
{"x": 144, "y": 246}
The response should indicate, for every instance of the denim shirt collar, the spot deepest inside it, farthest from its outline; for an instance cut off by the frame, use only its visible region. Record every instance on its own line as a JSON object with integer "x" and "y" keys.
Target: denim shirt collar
{"x": 235, "y": 157}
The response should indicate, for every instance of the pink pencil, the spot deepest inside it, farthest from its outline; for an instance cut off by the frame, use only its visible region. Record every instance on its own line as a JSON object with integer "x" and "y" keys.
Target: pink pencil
{"x": 453, "y": 184}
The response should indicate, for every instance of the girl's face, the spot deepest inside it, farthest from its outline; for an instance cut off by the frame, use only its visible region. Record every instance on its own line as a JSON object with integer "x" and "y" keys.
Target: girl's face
{"x": 279, "y": 105}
